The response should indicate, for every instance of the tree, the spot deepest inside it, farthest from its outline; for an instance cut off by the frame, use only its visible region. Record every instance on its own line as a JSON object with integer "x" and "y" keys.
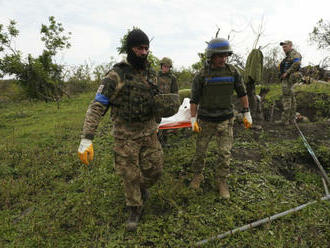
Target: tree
{"x": 40, "y": 77}
{"x": 321, "y": 34}
{"x": 271, "y": 62}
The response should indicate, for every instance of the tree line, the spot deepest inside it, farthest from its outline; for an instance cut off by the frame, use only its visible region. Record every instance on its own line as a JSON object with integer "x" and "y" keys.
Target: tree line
{"x": 43, "y": 79}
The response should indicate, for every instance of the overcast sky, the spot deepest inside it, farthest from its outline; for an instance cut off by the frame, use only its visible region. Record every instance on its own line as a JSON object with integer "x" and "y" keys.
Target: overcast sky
{"x": 178, "y": 28}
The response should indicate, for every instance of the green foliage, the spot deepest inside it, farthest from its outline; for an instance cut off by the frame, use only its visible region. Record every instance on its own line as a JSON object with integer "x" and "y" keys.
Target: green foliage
{"x": 184, "y": 77}
{"x": 53, "y": 36}
{"x": 123, "y": 46}
{"x": 39, "y": 77}
{"x": 321, "y": 34}
{"x": 200, "y": 64}
{"x": 271, "y": 62}
{"x": 100, "y": 70}
{"x": 184, "y": 93}
{"x": 154, "y": 61}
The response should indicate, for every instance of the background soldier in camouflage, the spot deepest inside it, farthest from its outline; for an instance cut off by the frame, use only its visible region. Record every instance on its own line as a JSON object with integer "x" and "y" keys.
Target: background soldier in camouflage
{"x": 165, "y": 79}
{"x": 138, "y": 153}
{"x": 167, "y": 84}
{"x": 289, "y": 75}
{"x": 212, "y": 92}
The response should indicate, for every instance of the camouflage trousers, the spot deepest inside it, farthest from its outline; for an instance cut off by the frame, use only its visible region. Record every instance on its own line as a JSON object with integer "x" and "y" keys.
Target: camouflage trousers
{"x": 288, "y": 99}
{"x": 223, "y": 133}
{"x": 139, "y": 162}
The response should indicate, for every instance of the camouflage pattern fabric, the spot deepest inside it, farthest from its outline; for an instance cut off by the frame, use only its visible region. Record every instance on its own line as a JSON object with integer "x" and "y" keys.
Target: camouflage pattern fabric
{"x": 139, "y": 162}
{"x": 166, "y": 105}
{"x": 223, "y": 133}
{"x": 167, "y": 83}
{"x": 109, "y": 94}
{"x": 293, "y": 76}
{"x": 288, "y": 99}
{"x": 138, "y": 153}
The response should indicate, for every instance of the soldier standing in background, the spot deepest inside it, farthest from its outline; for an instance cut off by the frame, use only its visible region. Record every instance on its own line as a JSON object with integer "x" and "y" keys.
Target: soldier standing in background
{"x": 167, "y": 84}
{"x": 138, "y": 153}
{"x": 211, "y": 97}
{"x": 289, "y": 75}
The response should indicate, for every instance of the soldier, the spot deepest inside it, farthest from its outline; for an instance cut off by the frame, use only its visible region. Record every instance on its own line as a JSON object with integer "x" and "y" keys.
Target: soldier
{"x": 289, "y": 75}
{"x": 138, "y": 153}
{"x": 166, "y": 79}
{"x": 167, "y": 84}
{"x": 211, "y": 97}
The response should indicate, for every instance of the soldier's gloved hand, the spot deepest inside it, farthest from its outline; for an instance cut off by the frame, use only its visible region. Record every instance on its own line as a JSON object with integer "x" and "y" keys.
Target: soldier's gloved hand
{"x": 194, "y": 125}
{"x": 86, "y": 151}
{"x": 247, "y": 119}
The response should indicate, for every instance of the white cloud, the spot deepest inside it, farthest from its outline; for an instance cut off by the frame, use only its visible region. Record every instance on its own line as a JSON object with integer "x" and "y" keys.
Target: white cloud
{"x": 179, "y": 28}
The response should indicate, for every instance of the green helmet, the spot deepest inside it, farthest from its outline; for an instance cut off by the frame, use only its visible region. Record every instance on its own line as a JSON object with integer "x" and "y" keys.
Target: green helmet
{"x": 218, "y": 45}
{"x": 166, "y": 105}
{"x": 166, "y": 61}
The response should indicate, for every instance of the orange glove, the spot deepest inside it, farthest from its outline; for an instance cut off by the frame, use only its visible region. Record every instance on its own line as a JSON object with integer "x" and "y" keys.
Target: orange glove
{"x": 194, "y": 125}
{"x": 86, "y": 151}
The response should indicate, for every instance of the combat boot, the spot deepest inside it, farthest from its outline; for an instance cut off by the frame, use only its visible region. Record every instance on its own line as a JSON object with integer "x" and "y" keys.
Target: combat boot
{"x": 223, "y": 189}
{"x": 195, "y": 183}
{"x": 135, "y": 213}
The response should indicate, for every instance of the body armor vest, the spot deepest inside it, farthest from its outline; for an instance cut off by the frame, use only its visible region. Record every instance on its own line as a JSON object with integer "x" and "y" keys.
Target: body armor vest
{"x": 285, "y": 65}
{"x": 164, "y": 83}
{"x": 134, "y": 101}
{"x": 218, "y": 89}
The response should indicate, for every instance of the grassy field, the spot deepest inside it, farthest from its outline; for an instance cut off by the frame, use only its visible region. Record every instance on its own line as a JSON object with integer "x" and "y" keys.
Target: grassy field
{"x": 49, "y": 199}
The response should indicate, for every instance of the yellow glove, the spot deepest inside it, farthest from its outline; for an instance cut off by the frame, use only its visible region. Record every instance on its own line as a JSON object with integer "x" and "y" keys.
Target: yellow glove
{"x": 194, "y": 125}
{"x": 86, "y": 151}
{"x": 247, "y": 119}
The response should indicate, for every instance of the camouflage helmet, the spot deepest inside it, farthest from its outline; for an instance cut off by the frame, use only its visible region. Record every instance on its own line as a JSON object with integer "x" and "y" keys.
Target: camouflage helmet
{"x": 218, "y": 45}
{"x": 166, "y": 61}
{"x": 166, "y": 105}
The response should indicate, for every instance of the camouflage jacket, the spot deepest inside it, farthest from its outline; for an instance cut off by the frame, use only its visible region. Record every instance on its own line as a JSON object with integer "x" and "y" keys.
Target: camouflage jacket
{"x": 212, "y": 90}
{"x": 291, "y": 63}
{"x": 167, "y": 83}
{"x": 111, "y": 92}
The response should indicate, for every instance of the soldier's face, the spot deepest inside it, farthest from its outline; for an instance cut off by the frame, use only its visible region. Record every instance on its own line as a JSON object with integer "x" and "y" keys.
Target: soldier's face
{"x": 286, "y": 48}
{"x": 219, "y": 60}
{"x": 141, "y": 50}
{"x": 165, "y": 68}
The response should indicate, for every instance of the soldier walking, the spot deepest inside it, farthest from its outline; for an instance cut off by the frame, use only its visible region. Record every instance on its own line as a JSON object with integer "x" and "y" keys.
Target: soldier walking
{"x": 212, "y": 111}
{"x": 138, "y": 153}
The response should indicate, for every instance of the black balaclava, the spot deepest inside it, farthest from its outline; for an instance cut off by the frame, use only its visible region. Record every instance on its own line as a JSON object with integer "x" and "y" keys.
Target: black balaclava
{"x": 136, "y": 38}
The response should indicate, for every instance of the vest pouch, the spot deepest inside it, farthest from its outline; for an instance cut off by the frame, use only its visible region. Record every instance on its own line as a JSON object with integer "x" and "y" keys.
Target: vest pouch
{"x": 217, "y": 93}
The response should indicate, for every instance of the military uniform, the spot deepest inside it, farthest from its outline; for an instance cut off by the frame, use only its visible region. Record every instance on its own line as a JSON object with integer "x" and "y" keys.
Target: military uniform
{"x": 290, "y": 65}
{"x": 212, "y": 90}
{"x": 138, "y": 154}
{"x": 167, "y": 83}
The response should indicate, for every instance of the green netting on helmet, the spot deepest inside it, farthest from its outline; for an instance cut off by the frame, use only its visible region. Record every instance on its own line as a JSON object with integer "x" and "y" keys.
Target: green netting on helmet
{"x": 218, "y": 45}
{"x": 166, "y": 61}
{"x": 166, "y": 105}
